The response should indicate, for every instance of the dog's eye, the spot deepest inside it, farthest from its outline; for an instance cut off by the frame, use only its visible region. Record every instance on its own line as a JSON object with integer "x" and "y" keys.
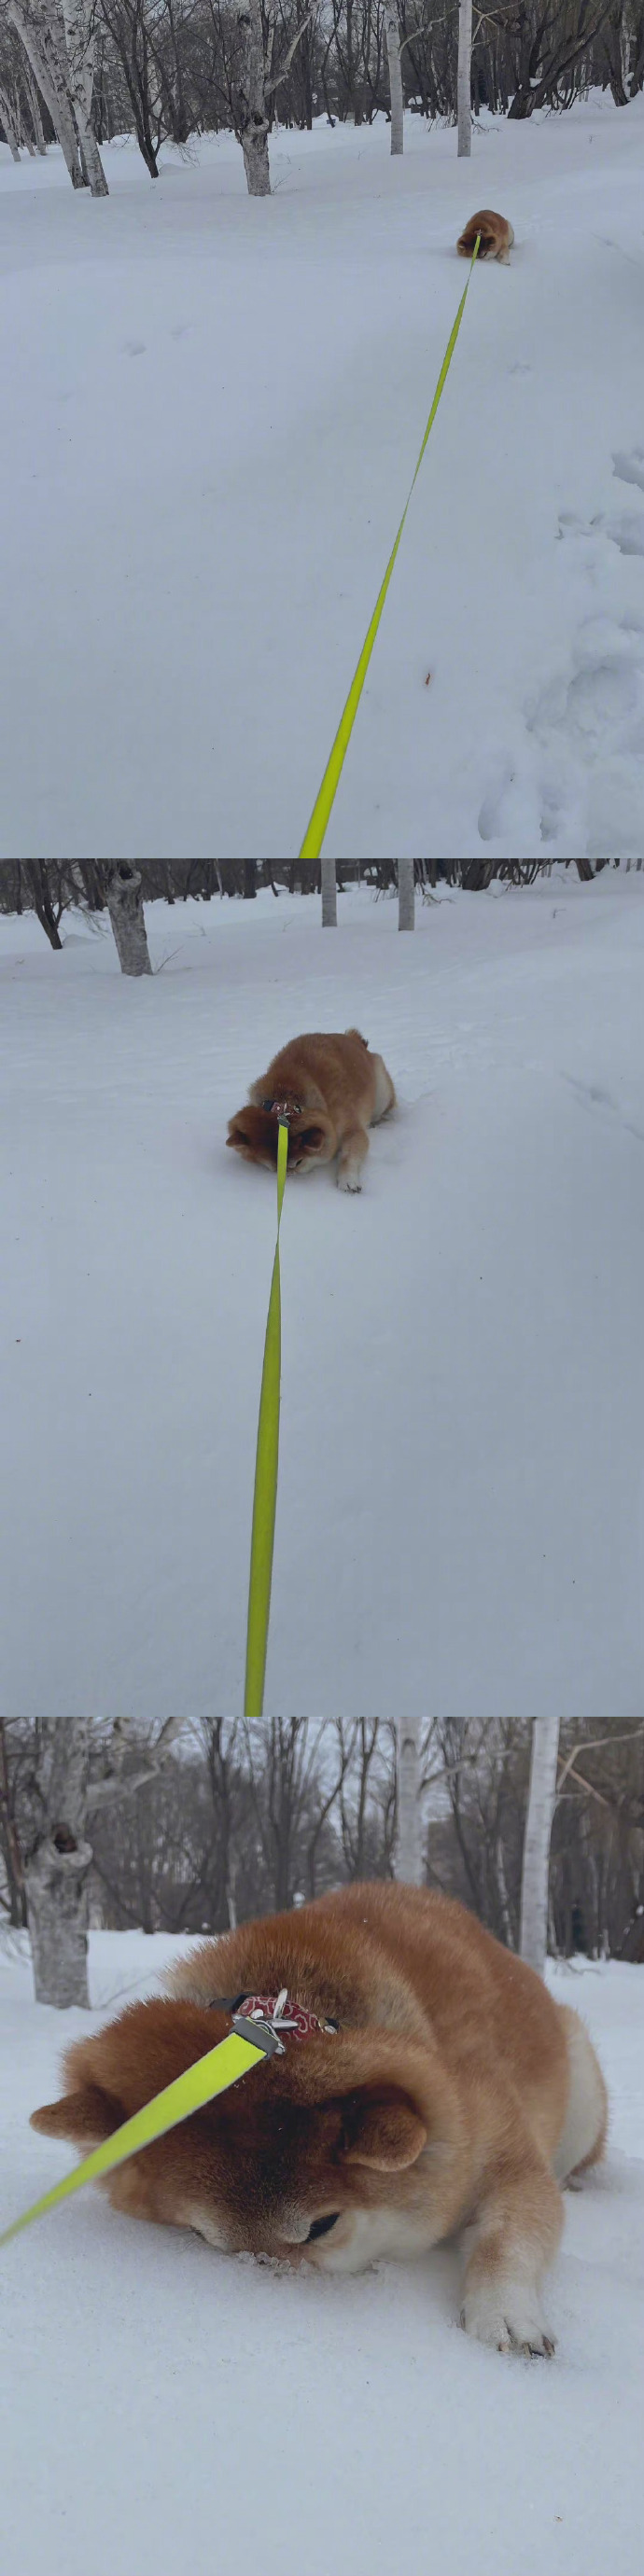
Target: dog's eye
{"x": 321, "y": 2226}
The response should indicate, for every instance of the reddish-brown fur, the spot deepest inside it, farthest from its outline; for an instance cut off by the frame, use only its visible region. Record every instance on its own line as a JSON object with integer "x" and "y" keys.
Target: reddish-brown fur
{"x": 440, "y": 2102}
{"x": 331, "y": 1089}
{"x": 496, "y": 236}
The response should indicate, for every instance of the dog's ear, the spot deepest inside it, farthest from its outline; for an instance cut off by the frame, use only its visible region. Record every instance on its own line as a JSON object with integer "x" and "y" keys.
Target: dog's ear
{"x": 311, "y": 1138}
{"x": 382, "y": 2128}
{"x": 87, "y": 2117}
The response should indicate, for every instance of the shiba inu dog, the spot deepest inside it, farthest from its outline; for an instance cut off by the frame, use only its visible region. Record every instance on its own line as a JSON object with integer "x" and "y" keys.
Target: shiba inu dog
{"x": 330, "y": 1090}
{"x": 496, "y": 237}
{"x": 427, "y": 2082}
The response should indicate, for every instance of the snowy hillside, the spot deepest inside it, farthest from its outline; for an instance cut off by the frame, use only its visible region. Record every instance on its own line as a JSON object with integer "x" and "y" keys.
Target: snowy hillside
{"x": 162, "y": 2404}
{"x": 460, "y": 1522}
{"x": 211, "y": 412}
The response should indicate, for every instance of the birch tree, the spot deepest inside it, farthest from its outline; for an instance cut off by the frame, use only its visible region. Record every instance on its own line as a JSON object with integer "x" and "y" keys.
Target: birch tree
{"x": 536, "y": 1844}
{"x": 251, "y": 121}
{"x": 392, "y": 40}
{"x": 59, "y": 43}
{"x": 80, "y": 45}
{"x": 406, "y": 906}
{"x": 124, "y": 904}
{"x": 464, "y": 79}
{"x": 42, "y": 37}
{"x": 329, "y": 895}
{"x": 409, "y": 1861}
{"x": 58, "y": 1866}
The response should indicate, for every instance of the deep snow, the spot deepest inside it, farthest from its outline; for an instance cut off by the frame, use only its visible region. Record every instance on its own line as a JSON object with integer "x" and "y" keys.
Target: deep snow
{"x": 211, "y": 413}
{"x": 166, "y": 2407}
{"x": 460, "y": 1522}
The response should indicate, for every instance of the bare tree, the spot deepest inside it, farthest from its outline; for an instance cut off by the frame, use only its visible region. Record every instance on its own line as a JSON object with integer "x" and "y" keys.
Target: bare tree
{"x": 464, "y": 78}
{"x": 393, "y": 42}
{"x": 251, "y": 120}
{"x": 409, "y": 1854}
{"x": 406, "y": 903}
{"x": 123, "y": 892}
{"x": 59, "y": 42}
{"x": 329, "y": 895}
{"x": 536, "y": 1846}
{"x": 67, "y": 1796}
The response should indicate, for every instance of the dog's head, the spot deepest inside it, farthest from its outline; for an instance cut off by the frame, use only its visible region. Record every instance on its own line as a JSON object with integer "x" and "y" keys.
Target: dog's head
{"x": 254, "y": 1133}
{"x": 295, "y": 2161}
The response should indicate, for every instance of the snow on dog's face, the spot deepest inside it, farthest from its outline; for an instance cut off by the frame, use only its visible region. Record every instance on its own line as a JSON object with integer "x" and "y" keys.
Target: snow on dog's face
{"x": 254, "y": 1133}
{"x": 310, "y": 2157}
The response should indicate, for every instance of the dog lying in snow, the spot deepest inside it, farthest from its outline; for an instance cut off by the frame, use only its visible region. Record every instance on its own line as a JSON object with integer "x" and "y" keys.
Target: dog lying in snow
{"x": 496, "y": 237}
{"x": 330, "y": 1090}
{"x": 449, "y": 2092}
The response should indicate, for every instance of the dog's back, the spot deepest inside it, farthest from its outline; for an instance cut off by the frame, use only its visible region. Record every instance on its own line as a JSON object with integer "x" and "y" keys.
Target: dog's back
{"x": 496, "y": 236}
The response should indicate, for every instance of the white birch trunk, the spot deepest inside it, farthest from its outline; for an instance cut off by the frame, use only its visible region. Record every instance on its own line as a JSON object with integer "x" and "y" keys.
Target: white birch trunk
{"x": 392, "y": 40}
{"x": 45, "y": 50}
{"x": 251, "y": 118}
{"x": 123, "y": 895}
{"x": 34, "y": 111}
{"x": 80, "y": 40}
{"x": 406, "y": 905}
{"x": 536, "y": 1842}
{"x": 10, "y": 126}
{"x": 329, "y": 895}
{"x": 409, "y": 1861}
{"x": 57, "y": 1871}
{"x": 464, "y": 82}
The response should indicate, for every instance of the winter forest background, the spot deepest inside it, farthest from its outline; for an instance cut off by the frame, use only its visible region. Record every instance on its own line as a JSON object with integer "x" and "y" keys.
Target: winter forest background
{"x": 166, "y": 70}
{"x": 195, "y": 1825}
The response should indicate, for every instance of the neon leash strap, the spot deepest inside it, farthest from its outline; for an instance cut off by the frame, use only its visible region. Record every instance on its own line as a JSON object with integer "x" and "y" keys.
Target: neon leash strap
{"x": 265, "y": 1494}
{"x": 314, "y": 836}
{"x": 212, "y": 2074}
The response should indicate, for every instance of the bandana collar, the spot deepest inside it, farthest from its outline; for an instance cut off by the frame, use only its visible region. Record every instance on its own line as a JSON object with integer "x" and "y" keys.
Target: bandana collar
{"x": 278, "y": 2013}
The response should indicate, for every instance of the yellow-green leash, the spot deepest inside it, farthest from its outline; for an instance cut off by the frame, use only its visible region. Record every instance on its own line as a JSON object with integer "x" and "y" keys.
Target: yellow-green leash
{"x": 212, "y": 2074}
{"x": 265, "y": 1494}
{"x": 314, "y": 836}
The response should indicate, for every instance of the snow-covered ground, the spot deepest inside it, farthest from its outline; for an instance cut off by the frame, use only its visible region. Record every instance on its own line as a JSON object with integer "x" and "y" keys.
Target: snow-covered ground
{"x": 211, "y": 413}
{"x": 165, "y": 2406}
{"x": 460, "y": 1519}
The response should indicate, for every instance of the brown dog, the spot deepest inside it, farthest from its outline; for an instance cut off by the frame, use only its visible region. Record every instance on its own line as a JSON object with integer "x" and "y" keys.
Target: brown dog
{"x": 496, "y": 237}
{"x": 329, "y": 1090}
{"x": 452, "y": 2092}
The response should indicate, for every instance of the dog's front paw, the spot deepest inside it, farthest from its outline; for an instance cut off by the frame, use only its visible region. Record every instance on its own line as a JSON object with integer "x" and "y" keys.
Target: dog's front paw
{"x": 508, "y": 2317}
{"x": 350, "y": 1181}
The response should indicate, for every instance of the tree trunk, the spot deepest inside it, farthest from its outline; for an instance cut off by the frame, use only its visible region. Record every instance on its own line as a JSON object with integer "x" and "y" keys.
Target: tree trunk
{"x": 10, "y": 127}
{"x": 123, "y": 895}
{"x": 11, "y": 1852}
{"x": 409, "y": 1863}
{"x": 464, "y": 87}
{"x": 56, "y": 1871}
{"x": 250, "y": 106}
{"x": 392, "y": 40}
{"x": 250, "y": 880}
{"x": 80, "y": 41}
{"x": 536, "y": 1843}
{"x": 329, "y": 895}
{"x": 39, "y": 35}
{"x": 57, "y": 1908}
{"x": 406, "y": 906}
{"x": 34, "y": 110}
